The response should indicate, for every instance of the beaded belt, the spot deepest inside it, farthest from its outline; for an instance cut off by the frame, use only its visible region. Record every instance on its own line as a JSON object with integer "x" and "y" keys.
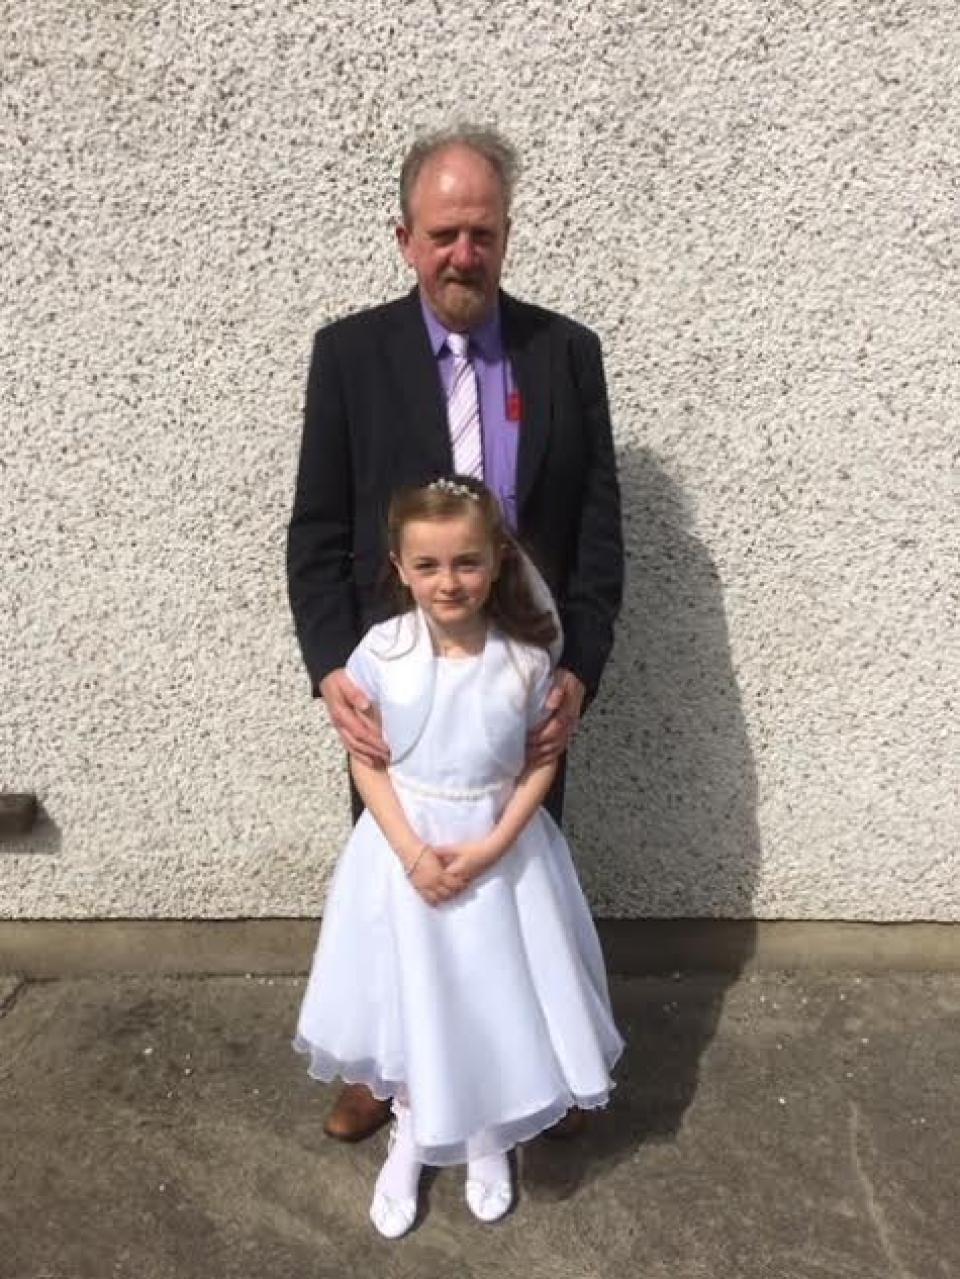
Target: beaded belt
{"x": 448, "y": 792}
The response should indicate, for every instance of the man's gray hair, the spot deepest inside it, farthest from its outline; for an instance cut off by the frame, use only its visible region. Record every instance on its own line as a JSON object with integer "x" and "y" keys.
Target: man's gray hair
{"x": 500, "y": 154}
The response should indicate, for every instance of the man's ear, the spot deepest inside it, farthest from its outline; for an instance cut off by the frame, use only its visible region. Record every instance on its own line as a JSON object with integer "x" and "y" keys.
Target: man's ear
{"x": 402, "y": 232}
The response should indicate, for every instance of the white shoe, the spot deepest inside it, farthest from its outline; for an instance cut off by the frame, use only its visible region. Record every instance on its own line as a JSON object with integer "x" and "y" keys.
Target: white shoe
{"x": 488, "y": 1203}
{"x": 392, "y": 1217}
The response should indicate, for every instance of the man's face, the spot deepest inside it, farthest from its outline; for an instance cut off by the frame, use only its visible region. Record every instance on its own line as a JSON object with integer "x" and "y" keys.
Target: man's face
{"x": 457, "y": 236}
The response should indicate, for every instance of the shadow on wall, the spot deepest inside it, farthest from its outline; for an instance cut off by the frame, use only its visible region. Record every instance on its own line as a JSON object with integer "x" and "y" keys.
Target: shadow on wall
{"x": 665, "y": 749}
{"x": 44, "y": 839}
{"x": 667, "y": 743}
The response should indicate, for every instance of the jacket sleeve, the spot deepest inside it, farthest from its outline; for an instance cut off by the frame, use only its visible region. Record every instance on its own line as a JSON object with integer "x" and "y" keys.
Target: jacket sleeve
{"x": 595, "y": 583}
{"x": 320, "y": 534}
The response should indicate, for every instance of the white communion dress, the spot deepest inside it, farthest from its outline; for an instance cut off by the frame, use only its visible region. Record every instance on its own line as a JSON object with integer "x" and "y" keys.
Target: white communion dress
{"x": 490, "y": 1014}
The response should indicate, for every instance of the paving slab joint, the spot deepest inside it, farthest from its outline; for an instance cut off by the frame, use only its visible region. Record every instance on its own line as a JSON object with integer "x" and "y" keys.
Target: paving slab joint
{"x": 10, "y": 988}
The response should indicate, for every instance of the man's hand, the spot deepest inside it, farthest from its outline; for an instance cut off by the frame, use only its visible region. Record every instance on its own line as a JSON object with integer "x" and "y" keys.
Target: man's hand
{"x": 564, "y": 705}
{"x": 354, "y": 717}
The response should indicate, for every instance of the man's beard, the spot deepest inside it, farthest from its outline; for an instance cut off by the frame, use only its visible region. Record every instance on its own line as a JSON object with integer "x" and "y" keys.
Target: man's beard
{"x": 466, "y": 301}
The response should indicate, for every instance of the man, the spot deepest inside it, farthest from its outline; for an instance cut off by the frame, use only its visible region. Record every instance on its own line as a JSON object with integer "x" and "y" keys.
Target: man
{"x": 393, "y": 398}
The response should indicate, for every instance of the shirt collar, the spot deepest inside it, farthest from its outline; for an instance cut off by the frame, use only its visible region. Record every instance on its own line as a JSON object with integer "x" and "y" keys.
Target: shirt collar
{"x": 486, "y": 337}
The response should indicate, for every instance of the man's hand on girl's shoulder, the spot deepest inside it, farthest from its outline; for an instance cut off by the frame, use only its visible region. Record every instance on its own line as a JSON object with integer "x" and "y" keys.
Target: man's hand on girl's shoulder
{"x": 564, "y": 707}
{"x": 355, "y": 718}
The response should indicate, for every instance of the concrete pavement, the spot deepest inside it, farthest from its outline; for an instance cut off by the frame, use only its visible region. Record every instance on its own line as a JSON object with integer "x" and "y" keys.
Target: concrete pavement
{"x": 778, "y": 1126}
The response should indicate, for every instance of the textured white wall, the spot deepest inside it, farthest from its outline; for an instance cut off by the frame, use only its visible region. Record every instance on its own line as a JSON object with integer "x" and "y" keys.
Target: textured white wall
{"x": 756, "y": 206}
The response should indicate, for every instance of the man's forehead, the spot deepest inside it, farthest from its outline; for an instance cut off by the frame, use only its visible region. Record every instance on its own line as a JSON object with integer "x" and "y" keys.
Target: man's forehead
{"x": 455, "y": 169}
{"x": 457, "y": 153}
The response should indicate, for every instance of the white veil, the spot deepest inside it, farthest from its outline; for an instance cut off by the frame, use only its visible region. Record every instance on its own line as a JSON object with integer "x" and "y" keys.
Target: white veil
{"x": 543, "y": 599}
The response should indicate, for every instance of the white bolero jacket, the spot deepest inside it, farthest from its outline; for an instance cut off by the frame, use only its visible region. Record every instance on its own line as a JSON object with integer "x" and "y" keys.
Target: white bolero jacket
{"x": 396, "y": 665}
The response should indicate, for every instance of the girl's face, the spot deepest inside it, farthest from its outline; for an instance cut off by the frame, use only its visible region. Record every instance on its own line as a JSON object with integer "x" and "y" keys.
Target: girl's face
{"x": 449, "y": 566}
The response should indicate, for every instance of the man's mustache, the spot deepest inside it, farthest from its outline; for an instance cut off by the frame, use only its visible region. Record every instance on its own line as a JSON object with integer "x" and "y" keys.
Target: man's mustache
{"x": 457, "y": 277}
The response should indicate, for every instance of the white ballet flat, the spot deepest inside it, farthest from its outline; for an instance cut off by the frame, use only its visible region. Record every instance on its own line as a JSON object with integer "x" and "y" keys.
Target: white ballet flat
{"x": 392, "y": 1217}
{"x": 488, "y": 1203}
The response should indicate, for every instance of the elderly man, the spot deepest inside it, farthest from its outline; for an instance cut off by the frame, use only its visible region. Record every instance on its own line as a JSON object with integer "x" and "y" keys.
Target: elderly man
{"x": 455, "y": 377}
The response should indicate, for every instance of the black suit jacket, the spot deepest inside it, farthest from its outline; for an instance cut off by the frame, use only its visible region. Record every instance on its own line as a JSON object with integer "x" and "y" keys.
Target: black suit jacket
{"x": 375, "y": 419}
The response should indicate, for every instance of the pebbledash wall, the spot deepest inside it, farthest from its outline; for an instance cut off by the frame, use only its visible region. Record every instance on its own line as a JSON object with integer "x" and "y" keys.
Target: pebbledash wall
{"x": 755, "y": 204}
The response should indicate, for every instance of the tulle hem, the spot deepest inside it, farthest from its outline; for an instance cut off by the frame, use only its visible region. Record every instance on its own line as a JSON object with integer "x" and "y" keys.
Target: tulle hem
{"x": 325, "y": 1068}
{"x": 497, "y": 1139}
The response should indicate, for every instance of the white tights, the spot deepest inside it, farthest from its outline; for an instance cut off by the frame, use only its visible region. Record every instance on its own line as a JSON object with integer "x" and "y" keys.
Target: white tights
{"x": 400, "y": 1174}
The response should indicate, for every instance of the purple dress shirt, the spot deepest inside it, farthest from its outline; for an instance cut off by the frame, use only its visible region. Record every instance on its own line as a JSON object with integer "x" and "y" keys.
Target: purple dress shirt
{"x": 498, "y": 395}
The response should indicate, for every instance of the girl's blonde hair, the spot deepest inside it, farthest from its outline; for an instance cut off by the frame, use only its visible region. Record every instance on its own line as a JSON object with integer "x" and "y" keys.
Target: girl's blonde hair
{"x": 510, "y": 605}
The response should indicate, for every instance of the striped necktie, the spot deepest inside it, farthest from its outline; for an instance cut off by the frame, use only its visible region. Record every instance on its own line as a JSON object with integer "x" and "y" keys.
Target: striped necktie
{"x": 463, "y": 410}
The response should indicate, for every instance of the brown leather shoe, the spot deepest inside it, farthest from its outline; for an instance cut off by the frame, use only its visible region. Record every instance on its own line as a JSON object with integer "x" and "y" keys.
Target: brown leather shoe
{"x": 356, "y": 1114}
{"x": 571, "y": 1125}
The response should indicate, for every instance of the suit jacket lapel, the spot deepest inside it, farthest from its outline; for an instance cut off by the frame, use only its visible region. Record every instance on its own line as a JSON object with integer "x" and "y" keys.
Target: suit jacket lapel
{"x": 417, "y": 384}
{"x": 528, "y": 348}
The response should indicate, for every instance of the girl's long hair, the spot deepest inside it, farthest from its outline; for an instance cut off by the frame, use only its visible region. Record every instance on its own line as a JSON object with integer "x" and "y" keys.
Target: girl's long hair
{"x": 510, "y": 605}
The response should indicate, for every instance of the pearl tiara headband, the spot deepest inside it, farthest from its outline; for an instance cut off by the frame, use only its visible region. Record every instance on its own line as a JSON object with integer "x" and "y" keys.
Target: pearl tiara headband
{"x": 454, "y": 489}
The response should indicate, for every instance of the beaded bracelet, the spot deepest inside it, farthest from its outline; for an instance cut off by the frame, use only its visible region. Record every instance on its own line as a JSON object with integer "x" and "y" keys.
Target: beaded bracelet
{"x": 416, "y": 861}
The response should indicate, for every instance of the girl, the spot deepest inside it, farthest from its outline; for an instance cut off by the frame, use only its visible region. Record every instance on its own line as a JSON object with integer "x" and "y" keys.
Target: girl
{"x": 458, "y": 970}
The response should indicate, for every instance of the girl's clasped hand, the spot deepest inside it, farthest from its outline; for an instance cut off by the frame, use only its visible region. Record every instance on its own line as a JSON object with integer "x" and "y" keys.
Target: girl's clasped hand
{"x": 441, "y": 874}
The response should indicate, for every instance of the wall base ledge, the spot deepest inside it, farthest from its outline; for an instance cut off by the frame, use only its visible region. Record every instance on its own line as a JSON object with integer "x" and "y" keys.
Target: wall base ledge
{"x": 38, "y": 949}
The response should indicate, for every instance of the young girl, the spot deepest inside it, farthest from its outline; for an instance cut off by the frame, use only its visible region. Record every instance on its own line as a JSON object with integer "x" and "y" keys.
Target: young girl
{"x": 458, "y": 970}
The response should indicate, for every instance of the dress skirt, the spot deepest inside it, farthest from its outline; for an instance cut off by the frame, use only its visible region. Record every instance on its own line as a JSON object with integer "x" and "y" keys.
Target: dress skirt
{"x": 488, "y": 1015}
